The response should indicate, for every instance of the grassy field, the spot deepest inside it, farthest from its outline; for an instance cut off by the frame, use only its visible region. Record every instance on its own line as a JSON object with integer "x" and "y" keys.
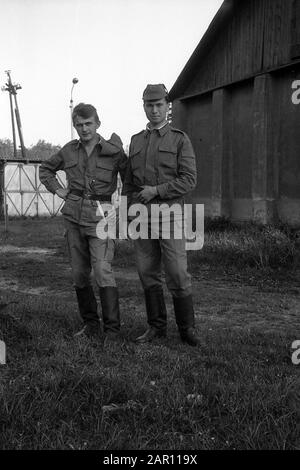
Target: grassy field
{"x": 238, "y": 390}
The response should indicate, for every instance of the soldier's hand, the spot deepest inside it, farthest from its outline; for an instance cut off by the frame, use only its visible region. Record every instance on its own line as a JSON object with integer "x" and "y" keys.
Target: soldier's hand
{"x": 111, "y": 216}
{"x": 148, "y": 193}
{"x": 62, "y": 192}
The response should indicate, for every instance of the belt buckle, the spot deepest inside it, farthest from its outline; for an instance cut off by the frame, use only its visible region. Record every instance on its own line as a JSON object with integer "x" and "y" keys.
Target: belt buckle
{"x": 93, "y": 203}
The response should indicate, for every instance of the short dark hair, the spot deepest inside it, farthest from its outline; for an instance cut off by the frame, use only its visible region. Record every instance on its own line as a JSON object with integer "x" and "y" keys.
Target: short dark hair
{"x": 85, "y": 111}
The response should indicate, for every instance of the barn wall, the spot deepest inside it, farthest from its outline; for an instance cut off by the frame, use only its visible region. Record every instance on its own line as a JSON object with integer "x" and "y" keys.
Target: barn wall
{"x": 195, "y": 118}
{"x": 258, "y": 37}
{"x": 286, "y": 146}
{"x": 199, "y": 112}
{"x": 236, "y": 104}
{"x": 239, "y": 150}
{"x": 220, "y": 127}
{"x": 241, "y": 135}
{"x": 247, "y": 143}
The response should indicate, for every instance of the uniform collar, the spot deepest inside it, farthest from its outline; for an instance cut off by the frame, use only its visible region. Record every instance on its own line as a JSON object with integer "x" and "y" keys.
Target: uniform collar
{"x": 162, "y": 130}
{"x": 100, "y": 142}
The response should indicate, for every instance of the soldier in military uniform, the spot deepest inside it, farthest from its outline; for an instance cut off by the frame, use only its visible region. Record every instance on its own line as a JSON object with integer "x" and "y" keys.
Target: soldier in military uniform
{"x": 91, "y": 165}
{"x": 162, "y": 170}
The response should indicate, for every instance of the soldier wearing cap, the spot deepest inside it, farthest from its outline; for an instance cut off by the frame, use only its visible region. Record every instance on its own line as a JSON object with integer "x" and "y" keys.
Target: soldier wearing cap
{"x": 162, "y": 170}
{"x": 91, "y": 165}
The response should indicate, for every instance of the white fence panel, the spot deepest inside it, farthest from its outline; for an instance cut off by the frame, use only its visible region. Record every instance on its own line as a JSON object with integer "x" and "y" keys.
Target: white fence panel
{"x": 25, "y": 195}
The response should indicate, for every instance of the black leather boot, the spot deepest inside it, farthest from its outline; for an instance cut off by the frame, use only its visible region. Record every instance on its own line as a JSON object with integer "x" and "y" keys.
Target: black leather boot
{"x": 88, "y": 311}
{"x": 156, "y": 316}
{"x": 185, "y": 319}
{"x": 109, "y": 298}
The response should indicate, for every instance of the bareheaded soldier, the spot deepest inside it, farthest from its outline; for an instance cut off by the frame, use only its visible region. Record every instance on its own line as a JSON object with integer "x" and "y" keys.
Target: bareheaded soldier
{"x": 161, "y": 171}
{"x": 91, "y": 165}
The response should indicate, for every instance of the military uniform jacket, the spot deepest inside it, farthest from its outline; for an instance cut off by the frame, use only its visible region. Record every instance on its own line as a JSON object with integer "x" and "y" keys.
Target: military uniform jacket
{"x": 163, "y": 158}
{"x": 96, "y": 174}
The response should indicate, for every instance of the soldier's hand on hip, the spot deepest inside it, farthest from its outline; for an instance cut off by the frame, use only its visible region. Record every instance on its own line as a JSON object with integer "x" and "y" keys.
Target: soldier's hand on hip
{"x": 62, "y": 193}
{"x": 148, "y": 193}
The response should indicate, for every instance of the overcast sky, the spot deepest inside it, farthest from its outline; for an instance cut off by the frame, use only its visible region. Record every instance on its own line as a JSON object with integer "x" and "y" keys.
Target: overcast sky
{"x": 113, "y": 47}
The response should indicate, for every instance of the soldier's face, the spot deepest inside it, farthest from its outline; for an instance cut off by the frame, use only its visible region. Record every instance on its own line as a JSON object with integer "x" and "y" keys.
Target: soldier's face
{"x": 156, "y": 111}
{"x": 86, "y": 128}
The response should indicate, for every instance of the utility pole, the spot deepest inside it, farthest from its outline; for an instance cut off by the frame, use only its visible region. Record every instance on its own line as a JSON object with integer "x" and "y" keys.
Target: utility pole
{"x": 74, "y": 81}
{"x": 15, "y": 114}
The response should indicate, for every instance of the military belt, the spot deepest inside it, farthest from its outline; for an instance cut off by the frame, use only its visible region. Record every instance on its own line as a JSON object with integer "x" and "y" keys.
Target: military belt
{"x": 93, "y": 197}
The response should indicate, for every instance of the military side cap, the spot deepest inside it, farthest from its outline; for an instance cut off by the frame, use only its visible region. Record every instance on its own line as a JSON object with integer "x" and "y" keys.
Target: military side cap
{"x": 155, "y": 92}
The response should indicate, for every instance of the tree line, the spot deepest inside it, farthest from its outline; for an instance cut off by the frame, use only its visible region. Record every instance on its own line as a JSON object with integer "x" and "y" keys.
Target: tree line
{"x": 39, "y": 151}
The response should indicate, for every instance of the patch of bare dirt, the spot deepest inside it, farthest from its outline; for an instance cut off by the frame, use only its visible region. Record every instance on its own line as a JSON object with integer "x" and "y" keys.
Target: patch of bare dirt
{"x": 27, "y": 251}
{"x": 14, "y": 285}
{"x": 224, "y": 300}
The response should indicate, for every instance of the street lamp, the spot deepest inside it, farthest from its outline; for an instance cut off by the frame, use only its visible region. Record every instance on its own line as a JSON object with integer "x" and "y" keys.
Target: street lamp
{"x": 74, "y": 81}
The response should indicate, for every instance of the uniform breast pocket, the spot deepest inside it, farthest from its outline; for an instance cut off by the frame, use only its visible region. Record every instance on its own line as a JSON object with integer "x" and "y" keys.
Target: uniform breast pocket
{"x": 104, "y": 170}
{"x": 71, "y": 169}
{"x": 167, "y": 166}
{"x": 168, "y": 156}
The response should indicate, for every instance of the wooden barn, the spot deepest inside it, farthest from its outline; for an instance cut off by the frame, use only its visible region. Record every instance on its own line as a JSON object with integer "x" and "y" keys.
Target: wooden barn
{"x": 238, "y": 98}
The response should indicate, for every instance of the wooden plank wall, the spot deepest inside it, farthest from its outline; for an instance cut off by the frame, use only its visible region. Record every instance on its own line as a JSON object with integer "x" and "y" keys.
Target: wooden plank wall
{"x": 241, "y": 139}
{"x": 257, "y": 38}
{"x": 295, "y": 46}
{"x": 199, "y": 128}
{"x": 286, "y": 135}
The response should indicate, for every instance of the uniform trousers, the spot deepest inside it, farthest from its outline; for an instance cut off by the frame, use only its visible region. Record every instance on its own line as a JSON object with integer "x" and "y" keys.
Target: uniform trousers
{"x": 88, "y": 252}
{"x": 163, "y": 251}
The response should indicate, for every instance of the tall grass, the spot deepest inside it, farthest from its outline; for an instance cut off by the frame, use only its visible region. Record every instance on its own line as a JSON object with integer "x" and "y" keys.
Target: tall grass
{"x": 238, "y": 390}
{"x": 248, "y": 244}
